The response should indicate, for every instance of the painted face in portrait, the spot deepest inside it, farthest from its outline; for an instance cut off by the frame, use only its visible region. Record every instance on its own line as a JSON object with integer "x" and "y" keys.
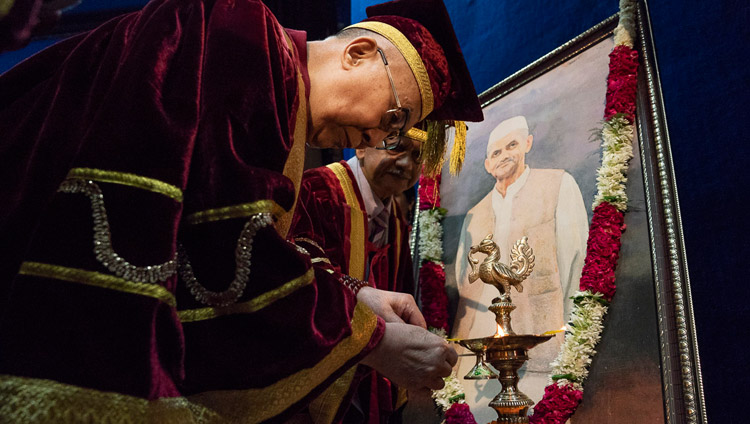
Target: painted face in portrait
{"x": 506, "y": 156}
{"x": 351, "y": 109}
{"x": 390, "y": 172}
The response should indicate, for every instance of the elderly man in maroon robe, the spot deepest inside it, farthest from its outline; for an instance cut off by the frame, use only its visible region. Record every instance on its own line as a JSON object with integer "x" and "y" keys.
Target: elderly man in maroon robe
{"x": 348, "y": 214}
{"x": 150, "y": 171}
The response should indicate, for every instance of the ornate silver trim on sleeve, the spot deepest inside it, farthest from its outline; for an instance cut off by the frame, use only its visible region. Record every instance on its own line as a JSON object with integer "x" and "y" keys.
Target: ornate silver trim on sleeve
{"x": 243, "y": 256}
{"x": 103, "y": 249}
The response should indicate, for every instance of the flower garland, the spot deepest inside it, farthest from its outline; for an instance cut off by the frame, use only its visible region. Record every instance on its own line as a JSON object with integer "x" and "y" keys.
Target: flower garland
{"x": 597, "y": 284}
{"x": 434, "y": 299}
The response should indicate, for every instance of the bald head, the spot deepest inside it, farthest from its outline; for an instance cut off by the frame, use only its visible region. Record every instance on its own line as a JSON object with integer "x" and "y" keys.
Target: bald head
{"x": 350, "y": 91}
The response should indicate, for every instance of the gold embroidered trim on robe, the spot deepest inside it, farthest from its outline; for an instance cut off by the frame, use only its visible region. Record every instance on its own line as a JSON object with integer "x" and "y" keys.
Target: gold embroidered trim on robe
{"x": 242, "y": 210}
{"x": 397, "y": 242}
{"x": 258, "y": 405}
{"x": 124, "y": 178}
{"x": 24, "y": 400}
{"x": 357, "y": 231}
{"x": 96, "y": 279}
{"x": 309, "y": 241}
{"x": 324, "y": 260}
{"x": 295, "y": 162}
{"x": 323, "y": 409}
{"x": 5, "y": 6}
{"x": 250, "y": 306}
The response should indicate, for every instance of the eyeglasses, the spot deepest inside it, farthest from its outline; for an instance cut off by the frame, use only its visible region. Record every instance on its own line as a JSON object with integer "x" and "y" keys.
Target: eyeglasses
{"x": 408, "y": 147}
{"x": 394, "y": 120}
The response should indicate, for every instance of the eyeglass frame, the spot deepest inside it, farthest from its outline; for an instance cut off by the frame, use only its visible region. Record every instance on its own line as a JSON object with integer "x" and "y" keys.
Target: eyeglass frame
{"x": 397, "y": 134}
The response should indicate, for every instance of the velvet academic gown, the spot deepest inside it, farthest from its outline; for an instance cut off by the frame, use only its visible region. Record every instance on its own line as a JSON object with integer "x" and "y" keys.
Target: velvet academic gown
{"x": 331, "y": 220}
{"x": 178, "y": 128}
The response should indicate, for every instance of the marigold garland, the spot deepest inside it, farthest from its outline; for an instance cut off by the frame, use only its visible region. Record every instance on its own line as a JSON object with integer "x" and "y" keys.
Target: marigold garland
{"x": 597, "y": 284}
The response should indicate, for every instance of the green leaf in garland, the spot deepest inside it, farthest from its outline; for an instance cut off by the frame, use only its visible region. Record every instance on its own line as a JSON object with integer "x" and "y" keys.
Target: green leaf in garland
{"x": 569, "y": 377}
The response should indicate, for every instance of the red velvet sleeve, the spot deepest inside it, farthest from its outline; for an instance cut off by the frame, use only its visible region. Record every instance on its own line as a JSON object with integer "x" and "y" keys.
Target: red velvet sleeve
{"x": 161, "y": 131}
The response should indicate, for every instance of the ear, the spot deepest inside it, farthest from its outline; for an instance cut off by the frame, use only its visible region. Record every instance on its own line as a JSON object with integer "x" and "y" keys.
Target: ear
{"x": 358, "y": 50}
{"x": 529, "y": 142}
{"x": 360, "y": 153}
{"x": 487, "y": 166}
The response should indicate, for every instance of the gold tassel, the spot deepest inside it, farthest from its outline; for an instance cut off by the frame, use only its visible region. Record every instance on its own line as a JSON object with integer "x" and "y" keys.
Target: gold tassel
{"x": 433, "y": 151}
{"x": 459, "y": 148}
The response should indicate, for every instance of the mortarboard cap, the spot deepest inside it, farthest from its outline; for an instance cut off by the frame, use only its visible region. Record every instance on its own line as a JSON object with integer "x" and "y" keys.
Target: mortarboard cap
{"x": 422, "y": 31}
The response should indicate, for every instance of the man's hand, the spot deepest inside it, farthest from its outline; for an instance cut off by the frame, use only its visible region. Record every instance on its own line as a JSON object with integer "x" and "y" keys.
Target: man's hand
{"x": 392, "y": 306}
{"x": 412, "y": 357}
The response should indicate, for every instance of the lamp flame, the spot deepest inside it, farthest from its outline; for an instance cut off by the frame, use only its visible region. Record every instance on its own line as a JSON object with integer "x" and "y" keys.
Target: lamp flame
{"x": 500, "y": 332}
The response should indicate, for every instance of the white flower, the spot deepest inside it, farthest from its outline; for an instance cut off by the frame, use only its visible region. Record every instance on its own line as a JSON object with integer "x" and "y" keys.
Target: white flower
{"x": 451, "y": 389}
{"x": 431, "y": 235}
{"x": 617, "y": 150}
{"x": 581, "y": 336}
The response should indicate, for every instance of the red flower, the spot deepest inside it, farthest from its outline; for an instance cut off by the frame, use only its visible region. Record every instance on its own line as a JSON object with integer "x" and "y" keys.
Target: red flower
{"x": 602, "y": 250}
{"x": 429, "y": 192}
{"x": 622, "y": 82}
{"x": 557, "y": 405}
{"x": 459, "y": 413}
{"x": 434, "y": 298}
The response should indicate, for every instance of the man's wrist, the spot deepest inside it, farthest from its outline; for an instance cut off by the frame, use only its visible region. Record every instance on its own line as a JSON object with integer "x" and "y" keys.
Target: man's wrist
{"x": 354, "y": 284}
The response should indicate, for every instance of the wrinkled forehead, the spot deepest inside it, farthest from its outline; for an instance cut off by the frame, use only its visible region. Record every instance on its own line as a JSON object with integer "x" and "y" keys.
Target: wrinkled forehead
{"x": 499, "y": 140}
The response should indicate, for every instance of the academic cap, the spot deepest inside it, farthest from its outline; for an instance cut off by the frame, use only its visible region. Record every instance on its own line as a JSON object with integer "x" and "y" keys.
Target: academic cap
{"x": 422, "y": 31}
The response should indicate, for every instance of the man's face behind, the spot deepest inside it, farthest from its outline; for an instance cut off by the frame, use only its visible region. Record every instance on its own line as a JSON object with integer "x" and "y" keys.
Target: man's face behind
{"x": 506, "y": 156}
{"x": 390, "y": 172}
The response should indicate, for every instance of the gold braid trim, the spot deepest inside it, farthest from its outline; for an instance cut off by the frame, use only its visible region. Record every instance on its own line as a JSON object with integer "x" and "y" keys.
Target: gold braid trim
{"x": 397, "y": 242}
{"x": 357, "y": 228}
{"x": 412, "y": 58}
{"x": 324, "y": 260}
{"x": 32, "y": 400}
{"x": 96, "y": 279}
{"x": 309, "y": 241}
{"x": 323, "y": 409}
{"x": 258, "y": 405}
{"x": 250, "y": 306}
{"x": 133, "y": 180}
{"x": 417, "y": 134}
{"x": 5, "y": 6}
{"x": 295, "y": 162}
{"x": 242, "y": 210}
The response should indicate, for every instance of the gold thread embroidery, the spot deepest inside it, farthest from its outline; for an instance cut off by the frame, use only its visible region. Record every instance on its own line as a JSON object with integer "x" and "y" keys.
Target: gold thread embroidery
{"x": 309, "y": 241}
{"x": 26, "y": 399}
{"x": 242, "y": 210}
{"x": 321, "y": 259}
{"x": 103, "y": 250}
{"x": 258, "y": 405}
{"x": 412, "y": 58}
{"x": 124, "y": 178}
{"x": 397, "y": 242}
{"x": 323, "y": 409}
{"x": 357, "y": 231}
{"x": 96, "y": 279}
{"x": 5, "y": 6}
{"x": 295, "y": 162}
{"x": 417, "y": 134}
{"x": 253, "y": 305}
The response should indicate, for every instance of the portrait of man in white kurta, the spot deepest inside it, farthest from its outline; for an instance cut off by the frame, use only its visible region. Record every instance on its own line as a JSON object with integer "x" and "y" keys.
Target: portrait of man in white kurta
{"x": 545, "y": 205}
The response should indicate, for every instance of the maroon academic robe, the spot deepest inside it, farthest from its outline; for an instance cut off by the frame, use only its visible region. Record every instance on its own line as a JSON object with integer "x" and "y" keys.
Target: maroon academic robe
{"x": 331, "y": 220}
{"x": 148, "y": 165}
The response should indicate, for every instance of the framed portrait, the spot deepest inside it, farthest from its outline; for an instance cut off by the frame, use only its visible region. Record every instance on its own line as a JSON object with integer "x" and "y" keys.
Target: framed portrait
{"x": 530, "y": 170}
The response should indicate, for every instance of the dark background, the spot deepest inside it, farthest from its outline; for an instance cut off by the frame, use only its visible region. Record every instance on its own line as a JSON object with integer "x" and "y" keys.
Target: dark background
{"x": 701, "y": 51}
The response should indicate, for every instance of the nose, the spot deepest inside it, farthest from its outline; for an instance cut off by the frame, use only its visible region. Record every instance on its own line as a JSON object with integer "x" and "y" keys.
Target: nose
{"x": 373, "y": 137}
